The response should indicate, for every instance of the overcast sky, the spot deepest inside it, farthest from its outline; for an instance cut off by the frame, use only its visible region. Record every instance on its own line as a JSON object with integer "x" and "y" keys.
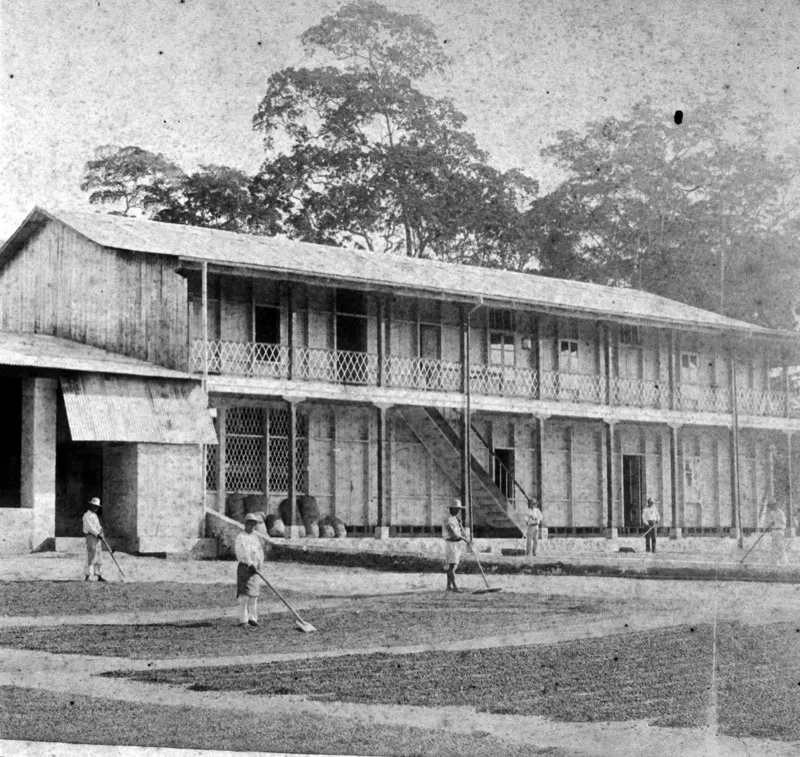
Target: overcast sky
{"x": 184, "y": 77}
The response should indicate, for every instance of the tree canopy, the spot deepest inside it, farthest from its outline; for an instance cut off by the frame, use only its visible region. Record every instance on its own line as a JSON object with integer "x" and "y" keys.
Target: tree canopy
{"x": 687, "y": 211}
{"x": 363, "y": 156}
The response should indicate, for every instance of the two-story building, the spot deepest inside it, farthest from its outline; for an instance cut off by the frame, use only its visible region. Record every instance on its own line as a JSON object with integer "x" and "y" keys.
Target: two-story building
{"x": 384, "y": 386}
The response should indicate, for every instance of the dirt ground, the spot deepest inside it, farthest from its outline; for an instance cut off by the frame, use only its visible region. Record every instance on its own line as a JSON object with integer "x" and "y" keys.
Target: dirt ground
{"x": 551, "y": 665}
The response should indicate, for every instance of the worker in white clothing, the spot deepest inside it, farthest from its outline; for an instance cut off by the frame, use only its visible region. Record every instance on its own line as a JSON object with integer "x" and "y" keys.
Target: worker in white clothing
{"x": 533, "y": 522}
{"x": 453, "y": 535}
{"x": 776, "y": 522}
{"x": 94, "y": 547}
{"x": 250, "y": 555}
{"x": 650, "y": 517}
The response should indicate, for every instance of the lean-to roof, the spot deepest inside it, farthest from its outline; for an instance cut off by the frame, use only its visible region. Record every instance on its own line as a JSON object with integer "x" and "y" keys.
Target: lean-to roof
{"x": 364, "y": 269}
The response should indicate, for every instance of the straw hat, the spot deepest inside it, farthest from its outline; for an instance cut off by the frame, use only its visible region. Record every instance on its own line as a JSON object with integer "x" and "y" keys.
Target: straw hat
{"x": 456, "y": 504}
{"x": 252, "y": 517}
{"x": 95, "y": 502}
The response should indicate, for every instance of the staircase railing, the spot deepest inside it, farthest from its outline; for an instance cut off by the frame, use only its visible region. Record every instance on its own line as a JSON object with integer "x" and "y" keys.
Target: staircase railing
{"x": 503, "y": 466}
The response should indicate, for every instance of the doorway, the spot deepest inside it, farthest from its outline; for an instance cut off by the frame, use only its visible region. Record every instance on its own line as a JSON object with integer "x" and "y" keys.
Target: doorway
{"x": 504, "y": 471}
{"x": 633, "y": 490}
{"x": 351, "y": 337}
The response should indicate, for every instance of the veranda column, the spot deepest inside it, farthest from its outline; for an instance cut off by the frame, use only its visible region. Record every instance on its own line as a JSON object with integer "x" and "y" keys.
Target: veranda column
{"x": 222, "y": 434}
{"x": 38, "y": 458}
{"x": 382, "y": 527}
{"x": 675, "y": 530}
{"x": 290, "y": 331}
{"x": 465, "y": 420}
{"x": 610, "y": 429}
{"x": 381, "y": 341}
{"x": 790, "y": 485}
{"x": 293, "y": 525}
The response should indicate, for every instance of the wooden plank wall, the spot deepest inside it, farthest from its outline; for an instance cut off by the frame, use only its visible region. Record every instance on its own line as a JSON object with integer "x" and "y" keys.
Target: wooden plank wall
{"x": 63, "y": 285}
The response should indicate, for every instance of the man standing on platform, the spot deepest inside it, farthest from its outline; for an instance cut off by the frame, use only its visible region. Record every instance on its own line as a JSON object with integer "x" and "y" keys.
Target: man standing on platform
{"x": 533, "y": 522}
{"x": 650, "y": 516}
{"x": 94, "y": 548}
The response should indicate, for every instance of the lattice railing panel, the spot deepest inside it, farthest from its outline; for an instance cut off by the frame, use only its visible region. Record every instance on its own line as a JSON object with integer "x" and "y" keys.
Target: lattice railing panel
{"x": 336, "y": 366}
{"x": 770, "y": 403}
{"x": 639, "y": 393}
{"x": 573, "y": 387}
{"x": 712, "y": 399}
{"x": 241, "y": 358}
{"x": 423, "y": 373}
{"x": 504, "y": 381}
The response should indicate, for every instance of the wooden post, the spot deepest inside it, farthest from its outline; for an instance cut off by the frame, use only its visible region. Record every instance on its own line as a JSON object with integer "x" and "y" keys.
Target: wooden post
{"x": 204, "y": 305}
{"x": 222, "y": 413}
{"x": 610, "y": 477}
{"x": 609, "y": 372}
{"x": 265, "y": 459}
{"x": 671, "y": 370}
{"x": 675, "y": 530}
{"x": 540, "y": 421}
{"x": 382, "y": 530}
{"x": 789, "y": 484}
{"x": 787, "y": 392}
{"x": 290, "y": 330}
{"x": 292, "y": 473}
{"x": 381, "y": 341}
{"x": 537, "y": 364}
{"x": 570, "y": 480}
{"x": 735, "y": 490}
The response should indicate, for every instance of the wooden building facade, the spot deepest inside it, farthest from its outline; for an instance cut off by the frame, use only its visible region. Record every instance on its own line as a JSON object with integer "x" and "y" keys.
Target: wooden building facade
{"x": 384, "y": 386}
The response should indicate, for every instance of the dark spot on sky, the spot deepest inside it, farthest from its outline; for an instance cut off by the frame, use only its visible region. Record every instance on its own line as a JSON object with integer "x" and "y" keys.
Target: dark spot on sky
{"x": 726, "y": 86}
{"x": 679, "y": 117}
{"x": 259, "y": 43}
{"x": 160, "y": 52}
{"x": 445, "y": 41}
{"x": 11, "y": 76}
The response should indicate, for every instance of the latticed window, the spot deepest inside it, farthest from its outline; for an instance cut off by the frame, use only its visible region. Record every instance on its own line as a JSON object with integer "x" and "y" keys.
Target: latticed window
{"x": 212, "y": 465}
{"x": 244, "y": 450}
{"x": 278, "y": 445}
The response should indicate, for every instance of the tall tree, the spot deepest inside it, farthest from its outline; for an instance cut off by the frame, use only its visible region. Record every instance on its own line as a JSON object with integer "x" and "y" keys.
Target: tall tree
{"x": 688, "y": 211}
{"x": 219, "y": 197}
{"x": 130, "y": 179}
{"x": 362, "y": 156}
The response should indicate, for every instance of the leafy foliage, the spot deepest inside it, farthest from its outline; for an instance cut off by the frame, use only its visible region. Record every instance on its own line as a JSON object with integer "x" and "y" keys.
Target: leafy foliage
{"x": 129, "y": 176}
{"x": 362, "y": 156}
{"x": 691, "y": 212}
{"x": 219, "y": 197}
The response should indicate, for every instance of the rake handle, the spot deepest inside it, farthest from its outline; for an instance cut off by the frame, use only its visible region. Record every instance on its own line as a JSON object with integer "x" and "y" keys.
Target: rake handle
{"x": 478, "y": 563}
{"x": 111, "y": 555}
{"x": 280, "y": 596}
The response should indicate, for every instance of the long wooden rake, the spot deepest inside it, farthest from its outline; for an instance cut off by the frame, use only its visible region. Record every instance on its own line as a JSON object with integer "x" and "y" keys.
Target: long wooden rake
{"x": 303, "y": 625}
{"x": 111, "y": 553}
{"x": 488, "y": 589}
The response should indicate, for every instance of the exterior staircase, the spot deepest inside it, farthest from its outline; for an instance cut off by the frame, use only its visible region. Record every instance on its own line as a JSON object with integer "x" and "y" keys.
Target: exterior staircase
{"x": 443, "y": 443}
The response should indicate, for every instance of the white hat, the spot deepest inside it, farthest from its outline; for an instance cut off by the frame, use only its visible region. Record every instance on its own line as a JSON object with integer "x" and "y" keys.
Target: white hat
{"x": 252, "y": 517}
{"x": 94, "y": 502}
{"x": 456, "y": 503}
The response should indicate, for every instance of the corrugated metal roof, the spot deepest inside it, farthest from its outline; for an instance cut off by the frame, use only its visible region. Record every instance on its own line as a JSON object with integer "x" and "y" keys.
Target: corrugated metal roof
{"x": 115, "y": 409}
{"x": 43, "y": 351}
{"x": 364, "y": 268}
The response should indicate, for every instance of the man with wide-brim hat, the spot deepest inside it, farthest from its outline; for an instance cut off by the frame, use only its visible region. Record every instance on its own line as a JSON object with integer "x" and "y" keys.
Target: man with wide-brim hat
{"x": 453, "y": 535}
{"x": 250, "y": 556}
{"x": 94, "y": 548}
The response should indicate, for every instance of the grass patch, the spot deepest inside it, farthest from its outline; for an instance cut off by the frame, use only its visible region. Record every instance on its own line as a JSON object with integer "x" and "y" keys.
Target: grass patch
{"x": 33, "y": 715}
{"x": 352, "y": 623}
{"x": 662, "y": 676}
{"x": 34, "y": 598}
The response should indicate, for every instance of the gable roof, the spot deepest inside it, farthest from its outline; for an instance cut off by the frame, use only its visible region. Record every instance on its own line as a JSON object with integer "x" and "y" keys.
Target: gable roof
{"x": 364, "y": 269}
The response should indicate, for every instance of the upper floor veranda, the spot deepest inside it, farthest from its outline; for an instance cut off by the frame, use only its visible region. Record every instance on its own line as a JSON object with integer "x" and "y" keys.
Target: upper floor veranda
{"x": 255, "y": 335}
